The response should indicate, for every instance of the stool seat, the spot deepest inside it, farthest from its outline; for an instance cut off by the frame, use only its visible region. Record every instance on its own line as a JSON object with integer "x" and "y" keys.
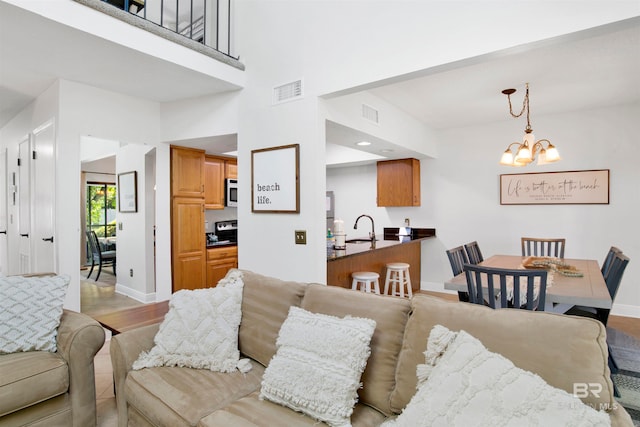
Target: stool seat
{"x": 398, "y": 279}
{"x": 365, "y": 279}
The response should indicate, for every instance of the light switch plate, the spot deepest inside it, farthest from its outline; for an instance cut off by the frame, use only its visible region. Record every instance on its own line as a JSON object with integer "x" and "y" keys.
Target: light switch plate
{"x": 301, "y": 237}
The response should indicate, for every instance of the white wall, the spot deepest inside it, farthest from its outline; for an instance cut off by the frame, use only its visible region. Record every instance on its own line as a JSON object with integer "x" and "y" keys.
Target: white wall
{"x": 460, "y": 195}
{"x": 135, "y": 229}
{"x": 335, "y": 46}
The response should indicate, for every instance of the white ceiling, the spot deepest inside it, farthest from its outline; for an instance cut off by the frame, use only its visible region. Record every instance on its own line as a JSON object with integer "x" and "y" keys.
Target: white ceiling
{"x": 590, "y": 69}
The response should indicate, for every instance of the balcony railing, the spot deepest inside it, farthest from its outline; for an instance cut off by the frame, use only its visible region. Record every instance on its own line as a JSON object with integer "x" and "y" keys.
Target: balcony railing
{"x": 204, "y": 21}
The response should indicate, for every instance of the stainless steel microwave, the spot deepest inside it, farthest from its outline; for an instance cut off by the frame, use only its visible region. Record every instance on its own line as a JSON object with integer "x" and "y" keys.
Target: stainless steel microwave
{"x": 231, "y": 192}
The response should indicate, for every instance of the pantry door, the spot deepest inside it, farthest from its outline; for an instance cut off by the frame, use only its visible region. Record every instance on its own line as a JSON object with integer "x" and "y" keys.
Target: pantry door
{"x": 44, "y": 176}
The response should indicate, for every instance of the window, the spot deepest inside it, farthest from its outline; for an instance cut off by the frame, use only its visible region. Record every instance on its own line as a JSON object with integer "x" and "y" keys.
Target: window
{"x": 101, "y": 208}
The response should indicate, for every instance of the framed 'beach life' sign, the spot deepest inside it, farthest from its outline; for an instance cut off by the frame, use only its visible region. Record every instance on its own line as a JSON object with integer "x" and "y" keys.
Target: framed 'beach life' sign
{"x": 275, "y": 179}
{"x": 585, "y": 187}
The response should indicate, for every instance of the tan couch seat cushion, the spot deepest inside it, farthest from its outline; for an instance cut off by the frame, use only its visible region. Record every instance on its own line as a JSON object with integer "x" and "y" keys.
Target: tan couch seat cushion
{"x": 391, "y": 315}
{"x": 182, "y": 396}
{"x": 562, "y": 349}
{"x": 265, "y": 306}
{"x": 250, "y": 411}
{"x": 30, "y": 377}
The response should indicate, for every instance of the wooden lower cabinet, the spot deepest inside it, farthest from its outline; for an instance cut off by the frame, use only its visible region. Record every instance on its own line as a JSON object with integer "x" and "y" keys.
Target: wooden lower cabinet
{"x": 188, "y": 243}
{"x": 219, "y": 262}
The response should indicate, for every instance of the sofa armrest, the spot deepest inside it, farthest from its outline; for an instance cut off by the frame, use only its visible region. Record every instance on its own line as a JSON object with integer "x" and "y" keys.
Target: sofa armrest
{"x": 125, "y": 349}
{"x": 79, "y": 339}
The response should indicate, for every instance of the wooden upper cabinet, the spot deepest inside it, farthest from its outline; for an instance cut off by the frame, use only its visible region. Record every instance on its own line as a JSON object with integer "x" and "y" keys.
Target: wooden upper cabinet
{"x": 399, "y": 182}
{"x": 231, "y": 169}
{"x": 214, "y": 172}
{"x": 187, "y": 172}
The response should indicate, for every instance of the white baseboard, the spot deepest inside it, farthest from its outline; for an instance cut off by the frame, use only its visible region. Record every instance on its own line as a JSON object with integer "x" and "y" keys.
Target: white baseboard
{"x": 624, "y": 310}
{"x": 135, "y": 294}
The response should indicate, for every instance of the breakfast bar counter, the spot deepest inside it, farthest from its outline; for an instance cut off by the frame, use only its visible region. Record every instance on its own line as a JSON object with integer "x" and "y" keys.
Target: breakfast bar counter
{"x": 365, "y": 256}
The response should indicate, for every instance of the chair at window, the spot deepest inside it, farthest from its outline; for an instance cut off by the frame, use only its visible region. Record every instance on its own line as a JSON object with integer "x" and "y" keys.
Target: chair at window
{"x": 473, "y": 252}
{"x": 98, "y": 256}
{"x": 458, "y": 258}
{"x": 532, "y": 246}
{"x": 526, "y": 289}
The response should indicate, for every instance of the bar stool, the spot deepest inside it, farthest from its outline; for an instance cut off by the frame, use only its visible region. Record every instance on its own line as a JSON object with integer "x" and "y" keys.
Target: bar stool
{"x": 398, "y": 276}
{"x": 365, "y": 279}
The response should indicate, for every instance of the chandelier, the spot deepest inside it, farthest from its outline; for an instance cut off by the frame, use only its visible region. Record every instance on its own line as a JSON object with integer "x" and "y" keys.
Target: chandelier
{"x": 526, "y": 151}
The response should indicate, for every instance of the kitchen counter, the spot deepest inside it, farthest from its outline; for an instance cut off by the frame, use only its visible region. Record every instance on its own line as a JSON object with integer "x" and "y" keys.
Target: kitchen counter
{"x": 388, "y": 239}
{"x": 222, "y": 244}
{"x": 363, "y": 256}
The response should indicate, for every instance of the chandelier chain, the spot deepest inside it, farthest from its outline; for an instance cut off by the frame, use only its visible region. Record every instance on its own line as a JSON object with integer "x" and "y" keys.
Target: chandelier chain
{"x": 525, "y": 106}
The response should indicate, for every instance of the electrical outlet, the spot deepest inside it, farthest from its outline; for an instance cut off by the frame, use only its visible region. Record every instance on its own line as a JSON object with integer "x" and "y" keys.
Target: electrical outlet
{"x": 301, "y": 237}
{"x": 131, "y": 272}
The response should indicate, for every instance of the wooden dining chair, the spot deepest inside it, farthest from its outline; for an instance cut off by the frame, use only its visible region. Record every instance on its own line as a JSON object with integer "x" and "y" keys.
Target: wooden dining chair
{"x": 98, "y": 256}
{"x": 533, "y": 246}
{"x": 473, "y": 252}
{"x": 458, "y": 258}
{"x": 516, "y": 288}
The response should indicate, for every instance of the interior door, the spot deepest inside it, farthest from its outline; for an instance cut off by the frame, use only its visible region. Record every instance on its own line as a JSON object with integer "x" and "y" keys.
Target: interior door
{"x": 24, "y": 205}
{"x": 44, "y": 197}
{"x": 4, "y": 259}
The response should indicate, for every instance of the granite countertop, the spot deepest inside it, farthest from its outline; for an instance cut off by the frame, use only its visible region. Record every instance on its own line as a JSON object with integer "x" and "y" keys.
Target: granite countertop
{"x": 388, "y": 239}
{"x": 222, "y": 244}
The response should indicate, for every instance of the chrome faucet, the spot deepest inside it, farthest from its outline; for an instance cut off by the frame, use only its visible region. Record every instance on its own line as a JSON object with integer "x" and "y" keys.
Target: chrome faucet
{"x": 372, "y": 234}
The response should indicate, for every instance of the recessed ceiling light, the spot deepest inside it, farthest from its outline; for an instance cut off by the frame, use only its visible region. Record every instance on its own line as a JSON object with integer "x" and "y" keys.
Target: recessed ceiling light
{"x": 386, "y": 150}
{"x": 363, "y": 143}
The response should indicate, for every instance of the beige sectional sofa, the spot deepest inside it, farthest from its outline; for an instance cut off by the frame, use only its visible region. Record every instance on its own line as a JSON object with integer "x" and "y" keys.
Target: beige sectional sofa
{"x": 41, "y": 388}
{"x": 563, "y": 350}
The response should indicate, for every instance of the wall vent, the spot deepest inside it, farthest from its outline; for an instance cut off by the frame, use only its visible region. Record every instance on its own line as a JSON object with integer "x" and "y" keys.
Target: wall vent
{"x": 370, "y": 113}
{"x": 287, "y": 92}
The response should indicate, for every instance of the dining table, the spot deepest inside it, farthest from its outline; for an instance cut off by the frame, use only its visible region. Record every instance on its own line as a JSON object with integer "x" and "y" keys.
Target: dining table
{"x": 563, "y": 291}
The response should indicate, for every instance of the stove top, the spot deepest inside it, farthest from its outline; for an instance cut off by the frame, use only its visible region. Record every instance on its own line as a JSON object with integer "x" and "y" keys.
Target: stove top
{"x": 226, "y": 233}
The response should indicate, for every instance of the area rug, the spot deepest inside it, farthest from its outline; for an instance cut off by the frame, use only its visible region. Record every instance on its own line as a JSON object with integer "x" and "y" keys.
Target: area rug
{"x": 625, "y": 350}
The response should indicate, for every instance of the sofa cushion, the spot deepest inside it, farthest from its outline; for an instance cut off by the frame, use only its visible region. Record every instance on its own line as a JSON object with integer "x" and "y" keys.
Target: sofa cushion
{"x": 251, "y": 411}
{"x": 317, "y": 367}
{"x": 563, "y": 350}
{"x": 200, "y": 330}
{"x": 462, "y": 383}
{"x": 265, "y": 305}
{"x": 31, "y": 377}
{"x": 390, "y": 315}
{"x": 176, "y": 397}
{"x": 30, "y": 312}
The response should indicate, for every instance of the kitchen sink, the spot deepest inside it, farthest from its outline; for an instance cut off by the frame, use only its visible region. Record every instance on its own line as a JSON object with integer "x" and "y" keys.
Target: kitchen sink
{"x": 358, "y": 241}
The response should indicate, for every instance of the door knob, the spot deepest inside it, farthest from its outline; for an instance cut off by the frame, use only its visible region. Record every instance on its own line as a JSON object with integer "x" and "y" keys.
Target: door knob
{"x": 3, "y": 232}
{"x": 24, "y": 235}
{"x": 47, "y": 239}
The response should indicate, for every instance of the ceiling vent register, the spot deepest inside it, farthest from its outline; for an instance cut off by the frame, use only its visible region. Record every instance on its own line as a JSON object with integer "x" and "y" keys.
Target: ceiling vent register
{"x": 370, "y": 113}
{"x": 287, "y": 92}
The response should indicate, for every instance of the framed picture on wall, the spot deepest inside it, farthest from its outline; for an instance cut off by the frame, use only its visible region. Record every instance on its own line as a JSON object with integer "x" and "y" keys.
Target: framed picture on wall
{"x": 585, "y": 187}
{"x": 128, "y": 192}
{"x": 275, "y": 179}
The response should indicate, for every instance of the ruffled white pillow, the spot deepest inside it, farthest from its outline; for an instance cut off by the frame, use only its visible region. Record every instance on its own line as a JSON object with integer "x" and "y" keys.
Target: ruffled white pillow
{"x": 318, "y": 363}
{"x": 464, "y": 384}
{"x": 201, "y": 329}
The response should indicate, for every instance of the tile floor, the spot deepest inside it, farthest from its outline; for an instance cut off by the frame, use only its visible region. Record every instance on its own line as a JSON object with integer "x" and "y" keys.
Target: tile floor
{"x": 97, "y": 298}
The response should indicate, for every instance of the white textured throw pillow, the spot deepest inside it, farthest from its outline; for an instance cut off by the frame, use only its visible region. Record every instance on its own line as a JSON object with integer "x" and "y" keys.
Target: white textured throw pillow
{"x": 318, "y": 364}
{"x": 30, "y": 312}
{"x": 464, "y": 384}
{"x": 201, "y": 329}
